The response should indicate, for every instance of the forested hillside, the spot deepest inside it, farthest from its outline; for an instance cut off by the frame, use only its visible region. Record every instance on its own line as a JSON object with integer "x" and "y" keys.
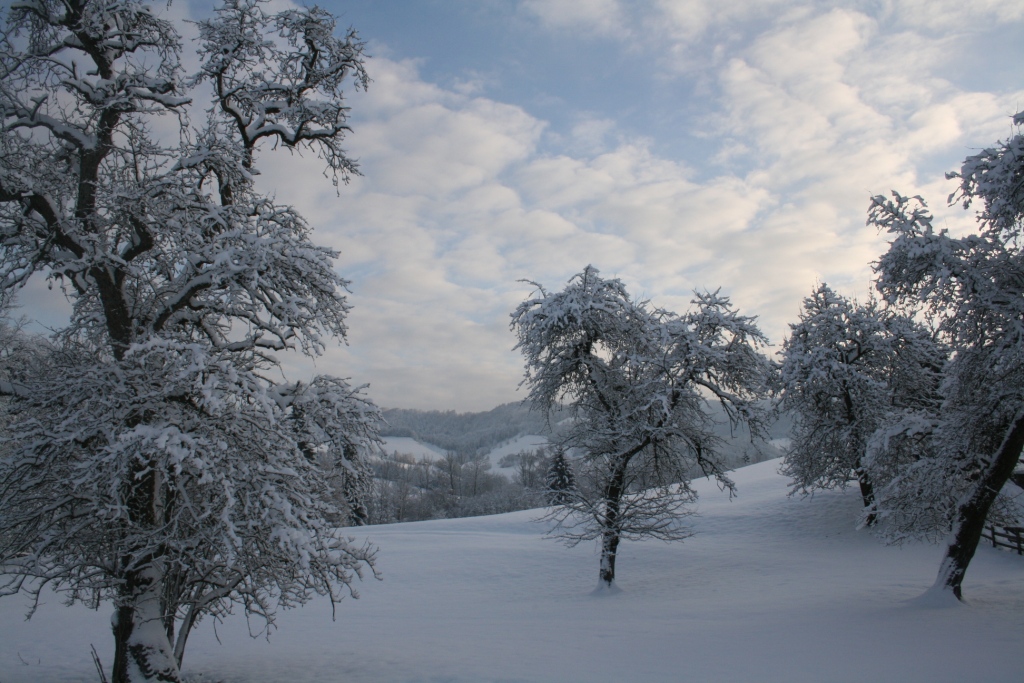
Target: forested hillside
{"x": 467, "y": 433}
{"x": 475, "y": 434}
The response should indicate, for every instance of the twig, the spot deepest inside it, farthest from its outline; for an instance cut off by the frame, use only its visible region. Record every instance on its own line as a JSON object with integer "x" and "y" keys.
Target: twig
{"x": 99, "y": 667}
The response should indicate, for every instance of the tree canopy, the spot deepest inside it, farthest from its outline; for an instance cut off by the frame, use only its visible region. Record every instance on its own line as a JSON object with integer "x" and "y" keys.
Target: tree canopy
{"x": 154, "y": 460}
{"x": 973, "y": 286}
{"x": 636, "y": 382}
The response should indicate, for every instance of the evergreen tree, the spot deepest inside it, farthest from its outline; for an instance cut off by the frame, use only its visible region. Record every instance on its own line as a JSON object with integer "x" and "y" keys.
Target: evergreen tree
{"x": 560, "y": 481}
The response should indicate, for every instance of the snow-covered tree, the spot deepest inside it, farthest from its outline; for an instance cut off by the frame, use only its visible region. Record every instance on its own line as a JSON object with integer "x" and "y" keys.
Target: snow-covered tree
{"x": 637, "y": 382}
{"x": 847, "y": 370}
{"x": 332, "y": 421}
{"x": 531, "y": 467}
{"x": 974, "y": 287}
{"x": 559, "y": 480}
{"x": 153, "y": 463}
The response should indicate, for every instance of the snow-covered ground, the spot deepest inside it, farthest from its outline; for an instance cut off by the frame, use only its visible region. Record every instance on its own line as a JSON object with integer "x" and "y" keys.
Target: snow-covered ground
{"x": 527, "y": 442}
{"x": 770, "y": 589}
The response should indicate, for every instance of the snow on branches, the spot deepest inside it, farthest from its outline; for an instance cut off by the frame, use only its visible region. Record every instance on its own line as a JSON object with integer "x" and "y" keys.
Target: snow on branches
{"x": 176, "y": 453}
{"x": 973, "y": 287}
{"x": 286, "y": 88}
{"x": 847, "y": 371}
{"x": 637, "y": 382}
{"x": 153, "y": 462}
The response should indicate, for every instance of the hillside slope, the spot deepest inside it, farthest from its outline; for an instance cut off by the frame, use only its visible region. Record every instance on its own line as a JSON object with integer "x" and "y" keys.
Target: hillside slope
{"x": 513, "y": 427}
{"x": 770, "y": 588}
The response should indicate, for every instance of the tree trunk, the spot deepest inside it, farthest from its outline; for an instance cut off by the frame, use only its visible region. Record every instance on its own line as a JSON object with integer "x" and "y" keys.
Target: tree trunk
{"x": 173, "y": 583}
{"x": 199, "y": 603}
{"x": 610, "y": 537}
{"x": 609, "y": 547}
{"x": 867, "y": 494}
{"x": 186, "y": 627}
{"x": 141, "y": 649}
{"x": 974, "y": 509}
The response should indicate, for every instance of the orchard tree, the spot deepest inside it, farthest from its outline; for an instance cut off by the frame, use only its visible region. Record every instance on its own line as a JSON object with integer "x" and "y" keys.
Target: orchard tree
{"x": 331, "y": 420}
{"x": 974, "y": 287}
{"x": 637, "y": 383}
{"x": 153, "y": 462}
{"x": 847, "y": 370}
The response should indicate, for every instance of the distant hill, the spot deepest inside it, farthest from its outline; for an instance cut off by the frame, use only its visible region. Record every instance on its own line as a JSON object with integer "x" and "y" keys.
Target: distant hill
{"x": 495, "y": 464}
{"x": 464, "y": 433}
{"x": 406, "y": 445}
{"x": 490, "y": 432}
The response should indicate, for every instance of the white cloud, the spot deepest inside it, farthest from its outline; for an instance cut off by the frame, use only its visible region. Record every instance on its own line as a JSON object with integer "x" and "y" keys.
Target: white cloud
{"x": 819, "y": 107}
{"x": 813, "y": 109}
{"x": 955, "y": 15}
{"x": 686, "y": 20}
{"x": 590, "y": 135}
{"x": 604, "y": 17}
{"x": 818, "y": 110}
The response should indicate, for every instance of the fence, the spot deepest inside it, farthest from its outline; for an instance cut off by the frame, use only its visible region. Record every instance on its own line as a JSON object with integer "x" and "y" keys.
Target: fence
{"x": 1011, "y": 537}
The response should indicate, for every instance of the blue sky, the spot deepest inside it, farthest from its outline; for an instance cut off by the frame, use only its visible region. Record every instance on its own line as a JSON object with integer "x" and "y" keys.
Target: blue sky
{"x": 678, "y": 145}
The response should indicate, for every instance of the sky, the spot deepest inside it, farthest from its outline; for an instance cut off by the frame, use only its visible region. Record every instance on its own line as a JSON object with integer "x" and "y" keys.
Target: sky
{"x": 678, "y": 145}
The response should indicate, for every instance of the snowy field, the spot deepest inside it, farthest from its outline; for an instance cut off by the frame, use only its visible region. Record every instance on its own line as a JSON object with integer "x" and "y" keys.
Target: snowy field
{"x": 770, "y": 589}
{"x": 520, "y": 444}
